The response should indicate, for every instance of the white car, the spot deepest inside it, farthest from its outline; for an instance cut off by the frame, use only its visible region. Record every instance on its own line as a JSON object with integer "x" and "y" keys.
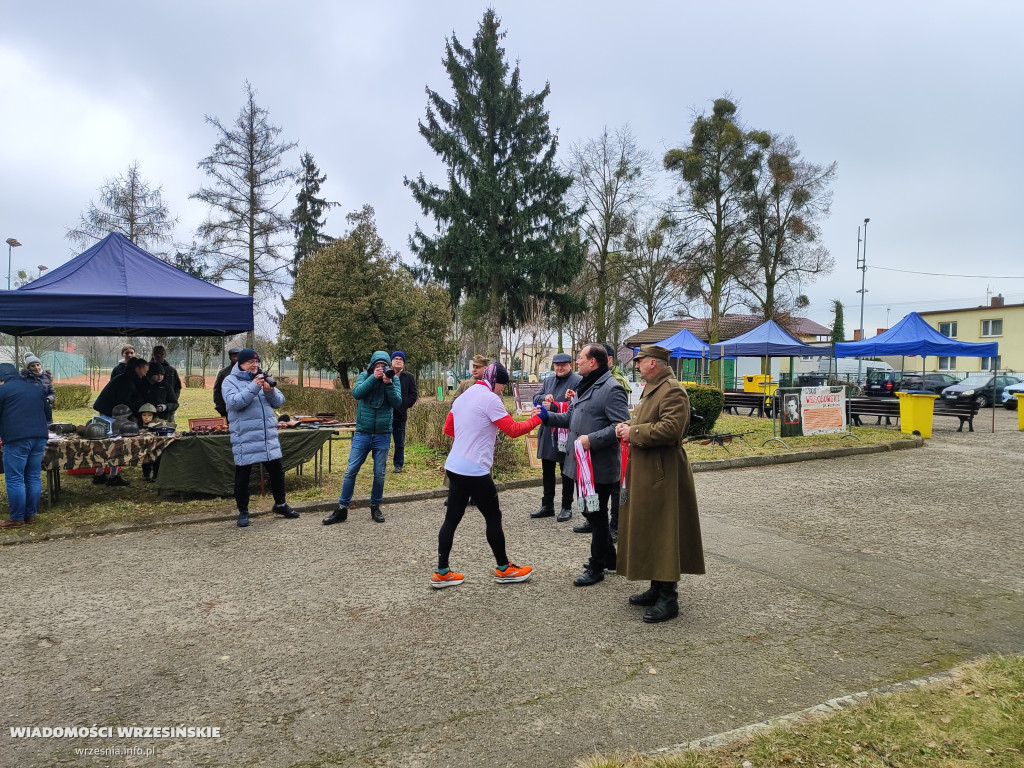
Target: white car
{"x": 1009, "y": 400}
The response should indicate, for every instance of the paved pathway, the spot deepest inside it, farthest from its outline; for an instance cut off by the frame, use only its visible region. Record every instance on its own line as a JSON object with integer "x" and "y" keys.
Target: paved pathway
{"x": 325, "y": 646}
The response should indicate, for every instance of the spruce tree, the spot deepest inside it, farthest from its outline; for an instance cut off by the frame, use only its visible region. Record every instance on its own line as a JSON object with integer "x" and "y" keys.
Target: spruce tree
{"x": 307, "y": 217}
{"x": 838, "y": 331}
{"x": 504, "y": 233}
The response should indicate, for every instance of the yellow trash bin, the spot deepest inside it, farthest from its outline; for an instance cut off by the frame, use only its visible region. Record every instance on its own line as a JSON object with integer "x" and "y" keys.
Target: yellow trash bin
{"x": 917, "y": 411}
{"x": 1020, "y": 410}
{"x": 756, "y": 383}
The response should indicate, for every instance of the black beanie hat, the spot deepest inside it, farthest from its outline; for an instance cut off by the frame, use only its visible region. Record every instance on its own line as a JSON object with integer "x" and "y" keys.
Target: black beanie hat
{"x": 155, "y": 369}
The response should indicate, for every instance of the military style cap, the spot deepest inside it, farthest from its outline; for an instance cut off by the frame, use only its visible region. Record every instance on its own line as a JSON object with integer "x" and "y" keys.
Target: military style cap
{"x": 481, "y": 360}
{"x": 561, "y": 357}
{"x": 653, "y": 350}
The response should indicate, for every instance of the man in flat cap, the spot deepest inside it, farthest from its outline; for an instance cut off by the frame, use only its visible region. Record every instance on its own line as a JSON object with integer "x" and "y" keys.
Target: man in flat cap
{"x": 551, "y": 443}
{"x": 477, "y": 366}
{"x": 659, "y": 530}
{"x": 218, "y": 396}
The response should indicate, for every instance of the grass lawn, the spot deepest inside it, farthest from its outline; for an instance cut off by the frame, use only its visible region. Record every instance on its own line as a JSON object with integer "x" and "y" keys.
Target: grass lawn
{"x": 972, "y": 720}
{"x": 83, "y": 504}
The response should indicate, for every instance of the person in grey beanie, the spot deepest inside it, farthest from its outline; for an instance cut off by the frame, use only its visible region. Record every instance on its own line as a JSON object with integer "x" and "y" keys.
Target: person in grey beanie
{"x": 34, "y": 374}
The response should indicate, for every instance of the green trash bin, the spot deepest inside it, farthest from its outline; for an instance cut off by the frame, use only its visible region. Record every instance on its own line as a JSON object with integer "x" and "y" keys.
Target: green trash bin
{"x": 917, "y": 411}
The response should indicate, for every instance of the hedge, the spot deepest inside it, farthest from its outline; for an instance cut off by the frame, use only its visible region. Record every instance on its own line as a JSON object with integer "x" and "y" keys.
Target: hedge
{"x": 71, "y": 396}
{"x": 309, "y": 401}
{"x": 708, "y": 402}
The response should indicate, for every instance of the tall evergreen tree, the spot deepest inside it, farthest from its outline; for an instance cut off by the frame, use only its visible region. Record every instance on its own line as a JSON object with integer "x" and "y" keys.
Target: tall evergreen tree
{"x": 244, "y": 227}
{"x": 307, "y": 217}
{"x": 504, "y": 233}
{"x": 838, "y": 328}
{"x": 130, "y": 206}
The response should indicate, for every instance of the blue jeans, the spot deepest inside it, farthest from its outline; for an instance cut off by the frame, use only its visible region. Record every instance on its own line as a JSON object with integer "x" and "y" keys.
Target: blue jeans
{"x": 23, "y": 460}
{"x": 362, "y": 444}
{"x": 398, "y": 433}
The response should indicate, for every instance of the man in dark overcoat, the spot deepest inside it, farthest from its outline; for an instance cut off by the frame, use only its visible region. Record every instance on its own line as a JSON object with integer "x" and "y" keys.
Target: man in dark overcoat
{"x": 599, "y": 406}
{"x": 549, "y": 452}
{"x": 659, "y": 530}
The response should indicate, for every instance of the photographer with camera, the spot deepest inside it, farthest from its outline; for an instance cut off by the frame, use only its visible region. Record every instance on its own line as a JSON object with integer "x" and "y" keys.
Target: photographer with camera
{"x": 378, "y": 393}
{"x": 251, "y": 396}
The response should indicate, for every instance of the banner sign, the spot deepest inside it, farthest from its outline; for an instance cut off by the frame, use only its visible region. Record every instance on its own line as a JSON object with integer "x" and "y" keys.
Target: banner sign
{"x": 812, "y": 411}
{"x": 523, "y": 393}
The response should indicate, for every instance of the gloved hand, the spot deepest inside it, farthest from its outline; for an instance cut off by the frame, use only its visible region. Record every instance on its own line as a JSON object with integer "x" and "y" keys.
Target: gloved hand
{"x": 543, "y": 413}
{"x": 51, "y": 398}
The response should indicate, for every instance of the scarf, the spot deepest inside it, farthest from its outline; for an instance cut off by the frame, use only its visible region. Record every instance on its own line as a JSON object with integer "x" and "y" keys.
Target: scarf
{"x": 560, "y": 434}
{"x": 590, "y": 379}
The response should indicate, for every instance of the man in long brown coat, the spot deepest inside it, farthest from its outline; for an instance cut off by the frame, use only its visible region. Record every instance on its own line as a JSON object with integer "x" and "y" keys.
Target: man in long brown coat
{"x": 659, "y": 531}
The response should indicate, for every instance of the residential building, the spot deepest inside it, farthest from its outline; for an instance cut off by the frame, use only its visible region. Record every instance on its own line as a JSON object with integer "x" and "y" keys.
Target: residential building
{"x": 998, "y": 321}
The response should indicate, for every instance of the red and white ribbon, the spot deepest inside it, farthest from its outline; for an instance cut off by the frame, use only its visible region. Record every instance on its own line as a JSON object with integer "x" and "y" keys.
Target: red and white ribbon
{"x": 560, "y": 435}
{"x": 586, "y": 492}
{"x": 624, "y": 454}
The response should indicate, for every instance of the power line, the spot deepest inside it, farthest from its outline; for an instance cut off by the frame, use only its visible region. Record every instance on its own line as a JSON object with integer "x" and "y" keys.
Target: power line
{"x": 944, "y": 274}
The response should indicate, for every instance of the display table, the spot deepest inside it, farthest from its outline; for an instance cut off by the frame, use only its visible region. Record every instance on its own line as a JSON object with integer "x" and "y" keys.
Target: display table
{"x": 205, "y": 464}
{"x": 76, "y": 453}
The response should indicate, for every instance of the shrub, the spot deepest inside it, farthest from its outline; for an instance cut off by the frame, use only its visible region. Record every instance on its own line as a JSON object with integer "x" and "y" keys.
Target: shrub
{"x": 708, "y": 402}
{"x": 71, "y": 396}
{"x": 195, "y": 382}
{"x": 312, "y": 400}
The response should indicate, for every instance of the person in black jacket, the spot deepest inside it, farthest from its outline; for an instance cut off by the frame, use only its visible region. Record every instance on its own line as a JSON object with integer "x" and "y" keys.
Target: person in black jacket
{"x": 410, "y": 394}
{"x": 218, "y": 396}
{"x": 129, "y": 388}
{"x": 127, "y": 353}
{"x": 550, "y": 452}
{"x": 160, "y": 392}
{"x": 23, "y": 430}
{"x": 170, "y": 372}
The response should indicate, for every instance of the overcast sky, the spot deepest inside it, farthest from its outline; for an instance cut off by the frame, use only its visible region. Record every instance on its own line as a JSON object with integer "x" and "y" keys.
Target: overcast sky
{"x": 918, "y": 102}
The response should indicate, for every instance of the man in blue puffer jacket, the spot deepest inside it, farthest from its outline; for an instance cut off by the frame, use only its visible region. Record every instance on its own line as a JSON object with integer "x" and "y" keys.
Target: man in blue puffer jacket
{"x": 377, "y": 398}
{"x": 251, "y": 401}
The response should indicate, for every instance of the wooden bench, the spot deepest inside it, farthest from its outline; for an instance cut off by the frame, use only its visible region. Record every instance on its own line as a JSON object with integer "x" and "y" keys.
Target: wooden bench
{"x": 889, "y": 408}
{"x": 734, "y": 401}
{"x": 965, "y": 410}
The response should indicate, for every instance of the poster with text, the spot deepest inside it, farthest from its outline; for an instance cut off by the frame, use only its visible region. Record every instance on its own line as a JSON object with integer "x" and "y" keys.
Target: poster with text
{"x": 812, "y": 411}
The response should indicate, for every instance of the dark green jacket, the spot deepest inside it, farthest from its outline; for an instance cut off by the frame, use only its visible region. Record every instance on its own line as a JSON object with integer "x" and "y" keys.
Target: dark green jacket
{"x": 376, "y": 401}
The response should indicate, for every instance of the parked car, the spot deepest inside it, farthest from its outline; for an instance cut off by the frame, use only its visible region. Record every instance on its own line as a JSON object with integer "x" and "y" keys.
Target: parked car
{"x": 882, "y": 383}
{"x": 929, "y": 382}
{"x": 1009, "y": 395}
{"x": 981, "y": 388}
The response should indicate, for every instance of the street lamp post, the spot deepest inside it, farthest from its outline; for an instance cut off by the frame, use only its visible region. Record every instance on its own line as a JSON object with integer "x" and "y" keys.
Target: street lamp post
{"x": 12, "y": 243}
{"x": 862, "y": 265}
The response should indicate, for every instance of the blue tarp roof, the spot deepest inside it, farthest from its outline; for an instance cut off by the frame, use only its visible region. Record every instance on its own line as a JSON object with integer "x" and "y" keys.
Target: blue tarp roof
{"x": 913, "y": 336}
{"x": 117, "y": 289}
{"x": 767, "y": 340}
{"x": 682, "y": 344}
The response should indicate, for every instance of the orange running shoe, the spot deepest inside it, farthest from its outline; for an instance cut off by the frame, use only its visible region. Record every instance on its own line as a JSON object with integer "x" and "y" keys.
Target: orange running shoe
{"x": 442, "y": 580}
{"x": 513, "y": 573}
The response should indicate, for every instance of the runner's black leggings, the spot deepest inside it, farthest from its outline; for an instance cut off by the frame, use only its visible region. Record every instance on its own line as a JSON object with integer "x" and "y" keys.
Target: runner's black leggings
{"x": 483, "y": 492}
{"x": 242, "y": 475}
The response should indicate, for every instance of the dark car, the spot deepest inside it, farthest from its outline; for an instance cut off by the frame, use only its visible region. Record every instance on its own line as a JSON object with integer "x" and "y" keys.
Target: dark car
{"x": 981, "y": 388}
{"x": 881, "y": 383}
{"x": 929, "y": 382}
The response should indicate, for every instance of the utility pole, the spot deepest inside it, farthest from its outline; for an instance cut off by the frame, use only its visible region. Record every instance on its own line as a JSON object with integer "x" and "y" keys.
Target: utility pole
{"x": 862, "y": 265}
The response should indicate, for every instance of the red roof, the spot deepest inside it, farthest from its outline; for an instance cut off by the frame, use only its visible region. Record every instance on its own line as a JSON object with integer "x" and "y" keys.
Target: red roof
{"x": 729, "y": 326}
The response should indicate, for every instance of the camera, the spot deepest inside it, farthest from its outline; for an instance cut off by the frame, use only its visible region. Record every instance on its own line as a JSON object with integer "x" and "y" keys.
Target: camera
{"x": 389, "y": 372}
{"x": 266, "y": 377}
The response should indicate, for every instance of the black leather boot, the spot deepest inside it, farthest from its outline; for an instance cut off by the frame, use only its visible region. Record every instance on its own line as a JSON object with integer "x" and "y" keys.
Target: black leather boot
{"x": 340, "y": 515}
{"x": 375, "y": 513}
{"x": 584, "y": 527}
{"x": 544, "y": 511}
{"x": 589, "y": 577}
{"x": 564, "y": 514}
{"x": 667, "y": 606}
{"x": 650, "y": 597}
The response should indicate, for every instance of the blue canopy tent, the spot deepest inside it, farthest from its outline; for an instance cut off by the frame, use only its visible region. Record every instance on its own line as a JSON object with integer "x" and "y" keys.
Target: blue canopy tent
{"x": 683, "y": 344}
{"x": 767, "y": 340}
{"x": 913, "y": 336}
{"x": 117, "y": 289}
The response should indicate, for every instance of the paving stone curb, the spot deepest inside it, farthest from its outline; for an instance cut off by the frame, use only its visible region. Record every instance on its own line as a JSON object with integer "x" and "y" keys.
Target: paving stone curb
{"x": 820, "y": 710}
{"x": 361, "y": 502}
